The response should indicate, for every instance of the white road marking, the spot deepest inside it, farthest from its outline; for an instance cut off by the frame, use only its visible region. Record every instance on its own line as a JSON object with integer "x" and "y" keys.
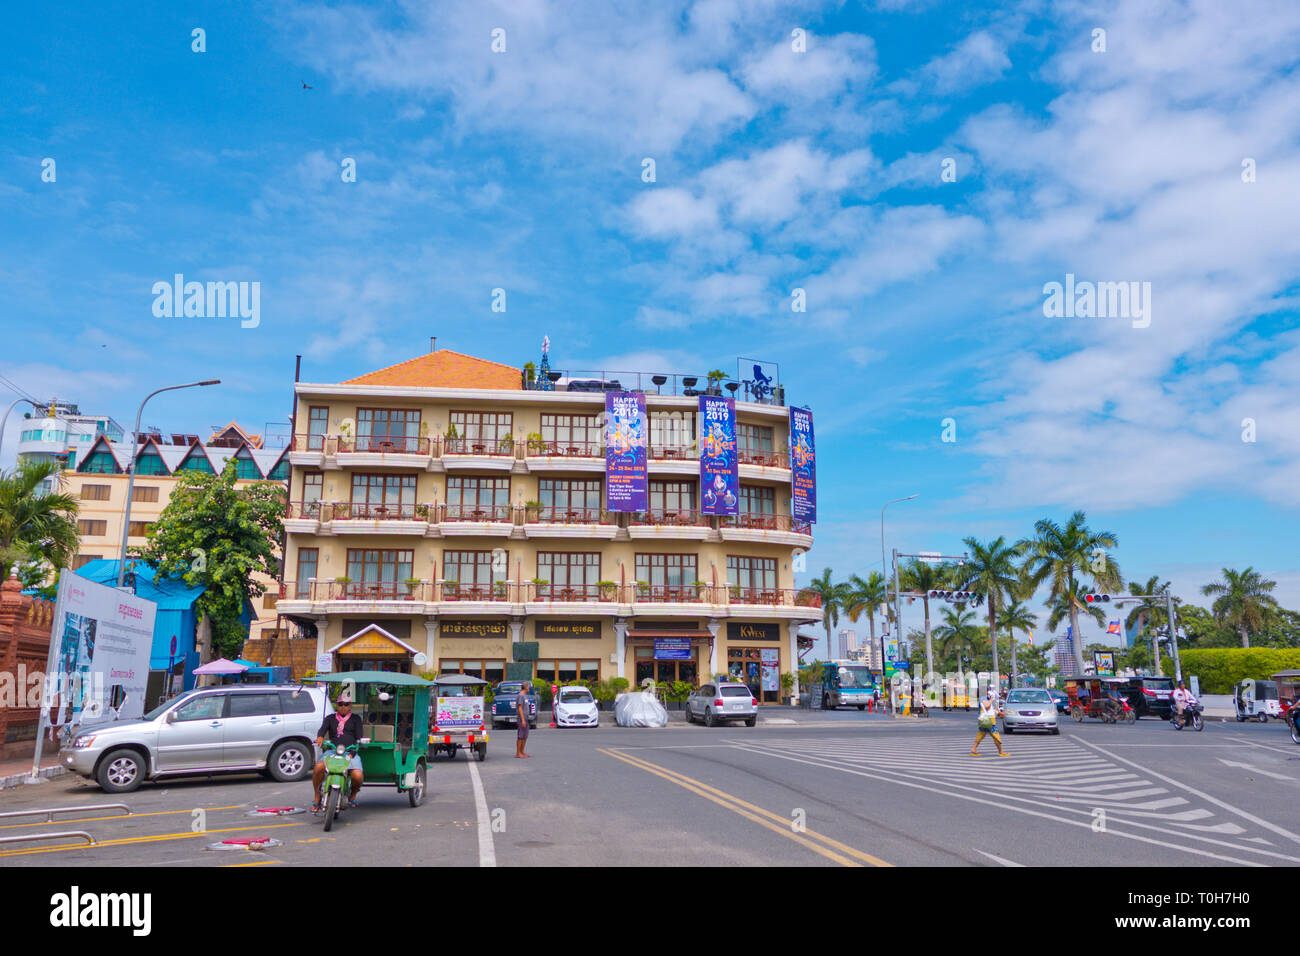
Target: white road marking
{"x": 487, "y": 854}
{"x": 999, "y": 859}
{"x": 1256, "y": 770}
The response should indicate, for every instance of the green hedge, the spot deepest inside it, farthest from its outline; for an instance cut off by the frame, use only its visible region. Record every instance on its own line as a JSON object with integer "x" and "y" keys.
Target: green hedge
{"x": 1220, "y": 668}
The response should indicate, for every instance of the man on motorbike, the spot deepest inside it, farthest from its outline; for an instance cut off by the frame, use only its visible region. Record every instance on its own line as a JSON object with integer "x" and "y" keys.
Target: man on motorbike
{"x": 343, "y": 730}
{"x": 1182, "y": 700}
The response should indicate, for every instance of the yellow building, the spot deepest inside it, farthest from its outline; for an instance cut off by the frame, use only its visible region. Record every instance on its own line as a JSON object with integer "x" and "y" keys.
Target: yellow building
{"x": 98, "y": 478}
{"x": 440, "y": 512}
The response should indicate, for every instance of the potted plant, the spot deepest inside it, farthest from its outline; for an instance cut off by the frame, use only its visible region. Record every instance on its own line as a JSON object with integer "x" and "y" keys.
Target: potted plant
{"x": 530, "y": 372}
{"x": 411, "y": 584}
{"x": 643, "y": 590}
{"x": 539, "y": 585}
{"x": 452, "y": 438}
{"x": 715, "y": 377}
{"x": 506, "y": 444}
{"x": 699, "y": 590}
{"x": 734, "y": 591}
{"x": 787, "y": 686}
{"x": 532, "y": 511}
{"x": 422, "y": 512}
{"x": 677, "y": 693}
{"x": 499, "y": 590}
{"x": 607, "y": 589}
{"x": 450, "y": 590}
{"x": 619, "y": 685}
{"x": 536, "y": 443}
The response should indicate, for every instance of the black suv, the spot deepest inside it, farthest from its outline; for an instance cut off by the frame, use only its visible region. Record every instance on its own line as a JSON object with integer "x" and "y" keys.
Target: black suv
{"x": 1150, "y": 696}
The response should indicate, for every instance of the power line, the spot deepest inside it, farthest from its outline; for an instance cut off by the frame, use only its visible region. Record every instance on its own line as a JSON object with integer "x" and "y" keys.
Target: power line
{"x": 13, "y": 387}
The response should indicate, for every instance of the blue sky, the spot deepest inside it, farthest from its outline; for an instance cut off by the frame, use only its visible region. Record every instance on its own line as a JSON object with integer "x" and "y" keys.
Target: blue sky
{"x": 775, "y": 170}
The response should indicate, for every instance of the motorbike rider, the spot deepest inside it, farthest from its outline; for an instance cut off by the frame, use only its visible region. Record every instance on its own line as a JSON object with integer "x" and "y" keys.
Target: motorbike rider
{"x": 1182, "y": 699}
{"x": 343, "y": 730}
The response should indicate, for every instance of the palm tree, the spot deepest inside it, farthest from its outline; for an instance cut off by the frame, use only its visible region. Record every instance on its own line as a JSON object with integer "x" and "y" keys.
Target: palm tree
{"x": 1016, "y": 617}
{"x": 1244, "y": 602}
{"x": 924, "y": 577}
{"x": 1068, "y": 605}
{"x": 1062, "y": 554}
{"x": 864, "y": 598}
{"x": 35, "y": 526}
{"x": 834, "y": 598}
{"x": 991, "y": 572}
{"x": 1148, "y": 611}
{"x": 958, "y": 632}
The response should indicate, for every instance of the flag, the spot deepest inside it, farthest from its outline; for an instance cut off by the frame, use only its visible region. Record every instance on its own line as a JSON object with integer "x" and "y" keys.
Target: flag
{"x": 1031, "y": 638}
{"x": 1113, "y": 628}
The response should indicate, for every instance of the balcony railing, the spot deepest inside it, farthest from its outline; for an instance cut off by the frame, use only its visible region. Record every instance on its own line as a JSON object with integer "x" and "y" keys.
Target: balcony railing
{"x": 562, "y": 514}
{"x": 477, "y": 512}
{"x": 670, "y": 517}
{"x": 759, "y": 521}
{"x": 385, "y": 445}
{"x": 565, "y": 449}
{"x": 673, "y": 453}
{"x": 370, "y": 591}
{"x": 500, "y": 591}
{"x": 303, "y": 509}
{"x": 344, "y": 510}
{"x": 673, "y": 594}
{"x": 763, "y": 456}
{"x": 572, "y": 592}
{"x": 774, "y": 597}
{"x": 659, "y": 383}
{"x": 498, "y": 447}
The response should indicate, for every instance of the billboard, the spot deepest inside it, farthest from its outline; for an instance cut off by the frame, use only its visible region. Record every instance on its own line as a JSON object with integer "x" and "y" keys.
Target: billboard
{"x": 719, "y": 467}
{"x": 803, "y": 466}
{"x": 625, "y": 452}
{"x": 99, "y": 653}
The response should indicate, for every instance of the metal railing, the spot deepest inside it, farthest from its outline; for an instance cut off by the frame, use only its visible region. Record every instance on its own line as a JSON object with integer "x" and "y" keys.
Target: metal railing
{"x": 384, "y": 445}
{"x": 344, "y": 510}
{"x": 476, "y": 512}
{"x": 49, "y": 812}
{"x": 670, "y": 517}
{"x": 658, "y": 383}
{"x": 768, "y": 458}
{"x": 563, "y": 514}
{"x": 495, "y": 447}
{"x": 760, "y": 521}
{"x": 564, "y": 449}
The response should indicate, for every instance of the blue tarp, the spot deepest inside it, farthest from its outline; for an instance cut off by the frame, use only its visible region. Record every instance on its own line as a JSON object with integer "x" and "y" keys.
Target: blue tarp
{"x": 176, "y": 616}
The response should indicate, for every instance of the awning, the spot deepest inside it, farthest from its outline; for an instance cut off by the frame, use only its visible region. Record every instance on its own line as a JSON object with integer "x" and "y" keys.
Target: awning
{"x": 645, "y": 635}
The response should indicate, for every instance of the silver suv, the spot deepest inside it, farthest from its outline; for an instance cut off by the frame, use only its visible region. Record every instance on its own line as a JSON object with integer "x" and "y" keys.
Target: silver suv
{"x": 237, "y": 727}
{"x": 725, "y": 700}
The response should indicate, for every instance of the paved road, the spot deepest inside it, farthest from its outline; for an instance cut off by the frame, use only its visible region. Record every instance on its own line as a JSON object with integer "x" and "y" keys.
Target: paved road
{"x": 842, "y": 789}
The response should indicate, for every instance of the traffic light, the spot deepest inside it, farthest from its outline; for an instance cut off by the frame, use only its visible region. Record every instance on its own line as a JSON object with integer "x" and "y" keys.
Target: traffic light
{"x": 959, "y": 596}
{"x": 1097, "y": 598}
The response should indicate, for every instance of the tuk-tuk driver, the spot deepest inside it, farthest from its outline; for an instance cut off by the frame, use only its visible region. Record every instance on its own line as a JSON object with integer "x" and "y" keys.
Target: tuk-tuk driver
{"x": 343, "y": 729}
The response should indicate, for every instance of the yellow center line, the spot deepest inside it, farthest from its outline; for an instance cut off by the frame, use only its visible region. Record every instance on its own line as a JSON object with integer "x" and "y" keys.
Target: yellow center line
{"x": 847, "y": 855}
{"x": 119, "y": 816}
{"x": 127, "y": 841}
{"x": 228, "y": 866}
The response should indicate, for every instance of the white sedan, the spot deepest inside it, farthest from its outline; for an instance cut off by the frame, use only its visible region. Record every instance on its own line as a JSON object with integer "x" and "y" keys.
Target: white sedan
{"x": 576, "y": 708}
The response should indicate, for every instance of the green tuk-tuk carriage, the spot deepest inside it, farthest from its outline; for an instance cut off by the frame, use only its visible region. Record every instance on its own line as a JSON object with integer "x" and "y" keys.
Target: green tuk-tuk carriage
{"x": 394, "y": 712}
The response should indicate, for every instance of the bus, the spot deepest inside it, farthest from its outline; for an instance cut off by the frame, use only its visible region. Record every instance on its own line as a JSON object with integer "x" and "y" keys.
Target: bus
{"x": 847, "y": 684}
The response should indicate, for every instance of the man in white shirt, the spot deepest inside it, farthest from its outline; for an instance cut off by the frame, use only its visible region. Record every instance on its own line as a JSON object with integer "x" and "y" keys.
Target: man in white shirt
{"x": 1182, "y": 697}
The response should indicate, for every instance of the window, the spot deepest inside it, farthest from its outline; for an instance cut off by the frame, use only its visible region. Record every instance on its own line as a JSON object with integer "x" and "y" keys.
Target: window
{"x": 296, "y": 702}
{"x": 196, "y": 461}
{"x": 672, "y": 495}
{"x": 144, "y": 494}
{"x": 673, "y": 430}
{"x": 268, "y": 601}
{"x": 560, "y": 672}
{"x": 488, "y": 427}
{"x": 246, "y": 469}
{"x": 371, "y": 566}
{"x": 204, "y": 707}
{"x": 139, "y": 529}
{"x": 317, "y": 421}
{"x": 757, "y": 500}
{"x": 92, "y": 529}
{"x": 578, "y": 572}
{"x": 489, "y": 670}
{"x": 100, "y": 463}
{"x": 84, "y": 559}
{"x": 95, "y": 492}
{"x": 383, "y": 496}
{"x": 312, "y": 484}
{"x": 467, "y": 495}
{"x": 751, "y": 573}
{"x": 280, "y": 472}
{"x": 306, "y": 570}
{"x": 254, "y": 705}
{"x": 665, "y": 570}
{"x": 149, "y": 463}
{"x": 388, "y": 429}
{"x": 559, "y": 496}
{"x": 566, "y": 430}
{"x": 472, "y": 568}
{"x": 754, "y": 437}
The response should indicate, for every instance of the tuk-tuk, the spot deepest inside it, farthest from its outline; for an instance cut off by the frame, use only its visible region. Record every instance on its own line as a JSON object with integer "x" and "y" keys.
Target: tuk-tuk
{"x": 955, "y": 694}
{"x": 457, "y": 715}
{"x": 1256, "y": 700}
{"x": 1288, "y": 688}
{"x": 394, "y": 712}
{"x": 1100, "y": 697}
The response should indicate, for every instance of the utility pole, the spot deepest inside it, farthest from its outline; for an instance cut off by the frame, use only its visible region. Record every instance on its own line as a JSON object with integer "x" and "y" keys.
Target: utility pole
{"x": 1173, "y": 632}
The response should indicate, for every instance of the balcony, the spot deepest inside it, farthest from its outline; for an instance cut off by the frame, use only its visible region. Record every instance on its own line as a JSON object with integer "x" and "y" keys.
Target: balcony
{"x": 490, "y": 447}
{"x": 561, "y": 521}
{"x": 549, "y": 456}
{"x": 677, "y": 594}
{"x": 660, "y": 383}
{"x": 668, "y": 523}
{"x": 759, "y": 527}
{"x": 775, "y": 597}
{"x": 384, "y": 445}
{"x": 763, "y": 458}
{"x": 319, "y": 590}
{"x": 572, "y": 593}
{"x": 502, "y": 592}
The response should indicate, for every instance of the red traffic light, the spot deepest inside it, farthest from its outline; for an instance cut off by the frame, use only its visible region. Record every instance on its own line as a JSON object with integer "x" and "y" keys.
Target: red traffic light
{"x": 1096, "y": 598}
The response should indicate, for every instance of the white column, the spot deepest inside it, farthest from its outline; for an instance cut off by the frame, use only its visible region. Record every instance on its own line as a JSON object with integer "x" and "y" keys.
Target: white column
{"x": 431, "y": 641}
{"x": 322, "y": 623}
{"x": 714, "y": 626}
{"x": 793, "y": 628}
{"x": 620, "y": 644}
{"x": 516, "y": 630}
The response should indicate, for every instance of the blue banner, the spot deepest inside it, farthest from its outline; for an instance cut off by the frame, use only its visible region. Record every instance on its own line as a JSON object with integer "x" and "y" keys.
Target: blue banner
{"x": 803, "y": 466}
{"x": 672, "y": 649}
{"x": 626, "y": 431}
{"x": 719, "y": 467}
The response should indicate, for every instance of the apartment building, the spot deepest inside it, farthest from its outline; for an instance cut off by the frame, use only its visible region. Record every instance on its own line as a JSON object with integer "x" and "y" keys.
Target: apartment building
{"x": 448, "y": 508}
{"x": 97, "y": 476}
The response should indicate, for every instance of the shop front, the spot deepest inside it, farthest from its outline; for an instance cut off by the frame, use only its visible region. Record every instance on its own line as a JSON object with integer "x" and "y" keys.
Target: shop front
{"x": 477, "y": 647}
{"x": 670, "y": 652}
{"x": 753, "y": 655}
{"x": 571, "y": 650}
{"x": 374, "y": 648}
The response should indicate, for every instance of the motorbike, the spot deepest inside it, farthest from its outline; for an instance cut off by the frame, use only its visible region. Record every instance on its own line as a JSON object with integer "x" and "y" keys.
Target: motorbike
{"x": 1292, "y": 718}
{"x": 1192, "y": 715}
{"x": 337, "y": 781}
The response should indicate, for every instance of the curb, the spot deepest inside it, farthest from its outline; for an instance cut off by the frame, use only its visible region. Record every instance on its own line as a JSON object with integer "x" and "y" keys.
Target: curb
{"x": 16, "y": 780}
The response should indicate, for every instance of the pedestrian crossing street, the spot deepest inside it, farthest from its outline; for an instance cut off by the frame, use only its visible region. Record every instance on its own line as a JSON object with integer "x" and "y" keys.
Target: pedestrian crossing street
{"x": 1041, "y": 774}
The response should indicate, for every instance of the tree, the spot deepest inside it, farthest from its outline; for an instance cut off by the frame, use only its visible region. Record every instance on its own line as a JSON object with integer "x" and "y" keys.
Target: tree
{"x": 924, "y": 577}
{"x": 35, "y": 527}
{"x": 865, "y": 597}
{"x": 216, "y": 535}
{"x": 1068, "y": 605}
{"x": 1243, "y": 601}
{"x": 1148, "y": 613}
{"x": 1014, "y": 617}
{"x": 1061, "y": 555}
{"x": 957, "y": 636}
{"x": 834, "y": 599}
{"x": 991, "y": 572}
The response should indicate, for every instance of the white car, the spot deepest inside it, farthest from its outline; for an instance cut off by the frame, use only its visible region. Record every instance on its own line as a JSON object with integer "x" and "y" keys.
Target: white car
{"x": 575, "y": 707}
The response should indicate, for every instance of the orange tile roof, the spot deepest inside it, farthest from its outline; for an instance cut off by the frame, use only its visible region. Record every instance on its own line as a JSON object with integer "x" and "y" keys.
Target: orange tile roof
{"x": 444, "y": 369}
{"x": 253, "y": 440}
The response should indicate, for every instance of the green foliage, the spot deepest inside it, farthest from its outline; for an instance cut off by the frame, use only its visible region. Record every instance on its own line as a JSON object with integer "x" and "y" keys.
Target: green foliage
{"x": 216, "y": 535}
{"x": 678, "y": 690}
{"x": 1220, "y": 668}
{"x": 619, "y": 685}
{"x": 35, "y": 528}
{"x": 1243, "y": 601}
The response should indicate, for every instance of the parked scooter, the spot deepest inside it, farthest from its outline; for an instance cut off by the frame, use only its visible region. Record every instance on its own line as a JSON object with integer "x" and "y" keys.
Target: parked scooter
{"x": 1191, "y": 715}
{"x": 337, "y": 782}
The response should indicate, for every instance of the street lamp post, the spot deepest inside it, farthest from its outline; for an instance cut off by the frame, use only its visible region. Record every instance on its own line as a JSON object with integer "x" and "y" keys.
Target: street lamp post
{"x": 130, "y": 470}
{"x": 884, "y": 570}
{"x": 4, "y": 421}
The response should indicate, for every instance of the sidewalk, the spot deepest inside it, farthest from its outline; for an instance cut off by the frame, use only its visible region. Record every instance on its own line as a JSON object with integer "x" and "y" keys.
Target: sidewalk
{"x": 13, "y": 772}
